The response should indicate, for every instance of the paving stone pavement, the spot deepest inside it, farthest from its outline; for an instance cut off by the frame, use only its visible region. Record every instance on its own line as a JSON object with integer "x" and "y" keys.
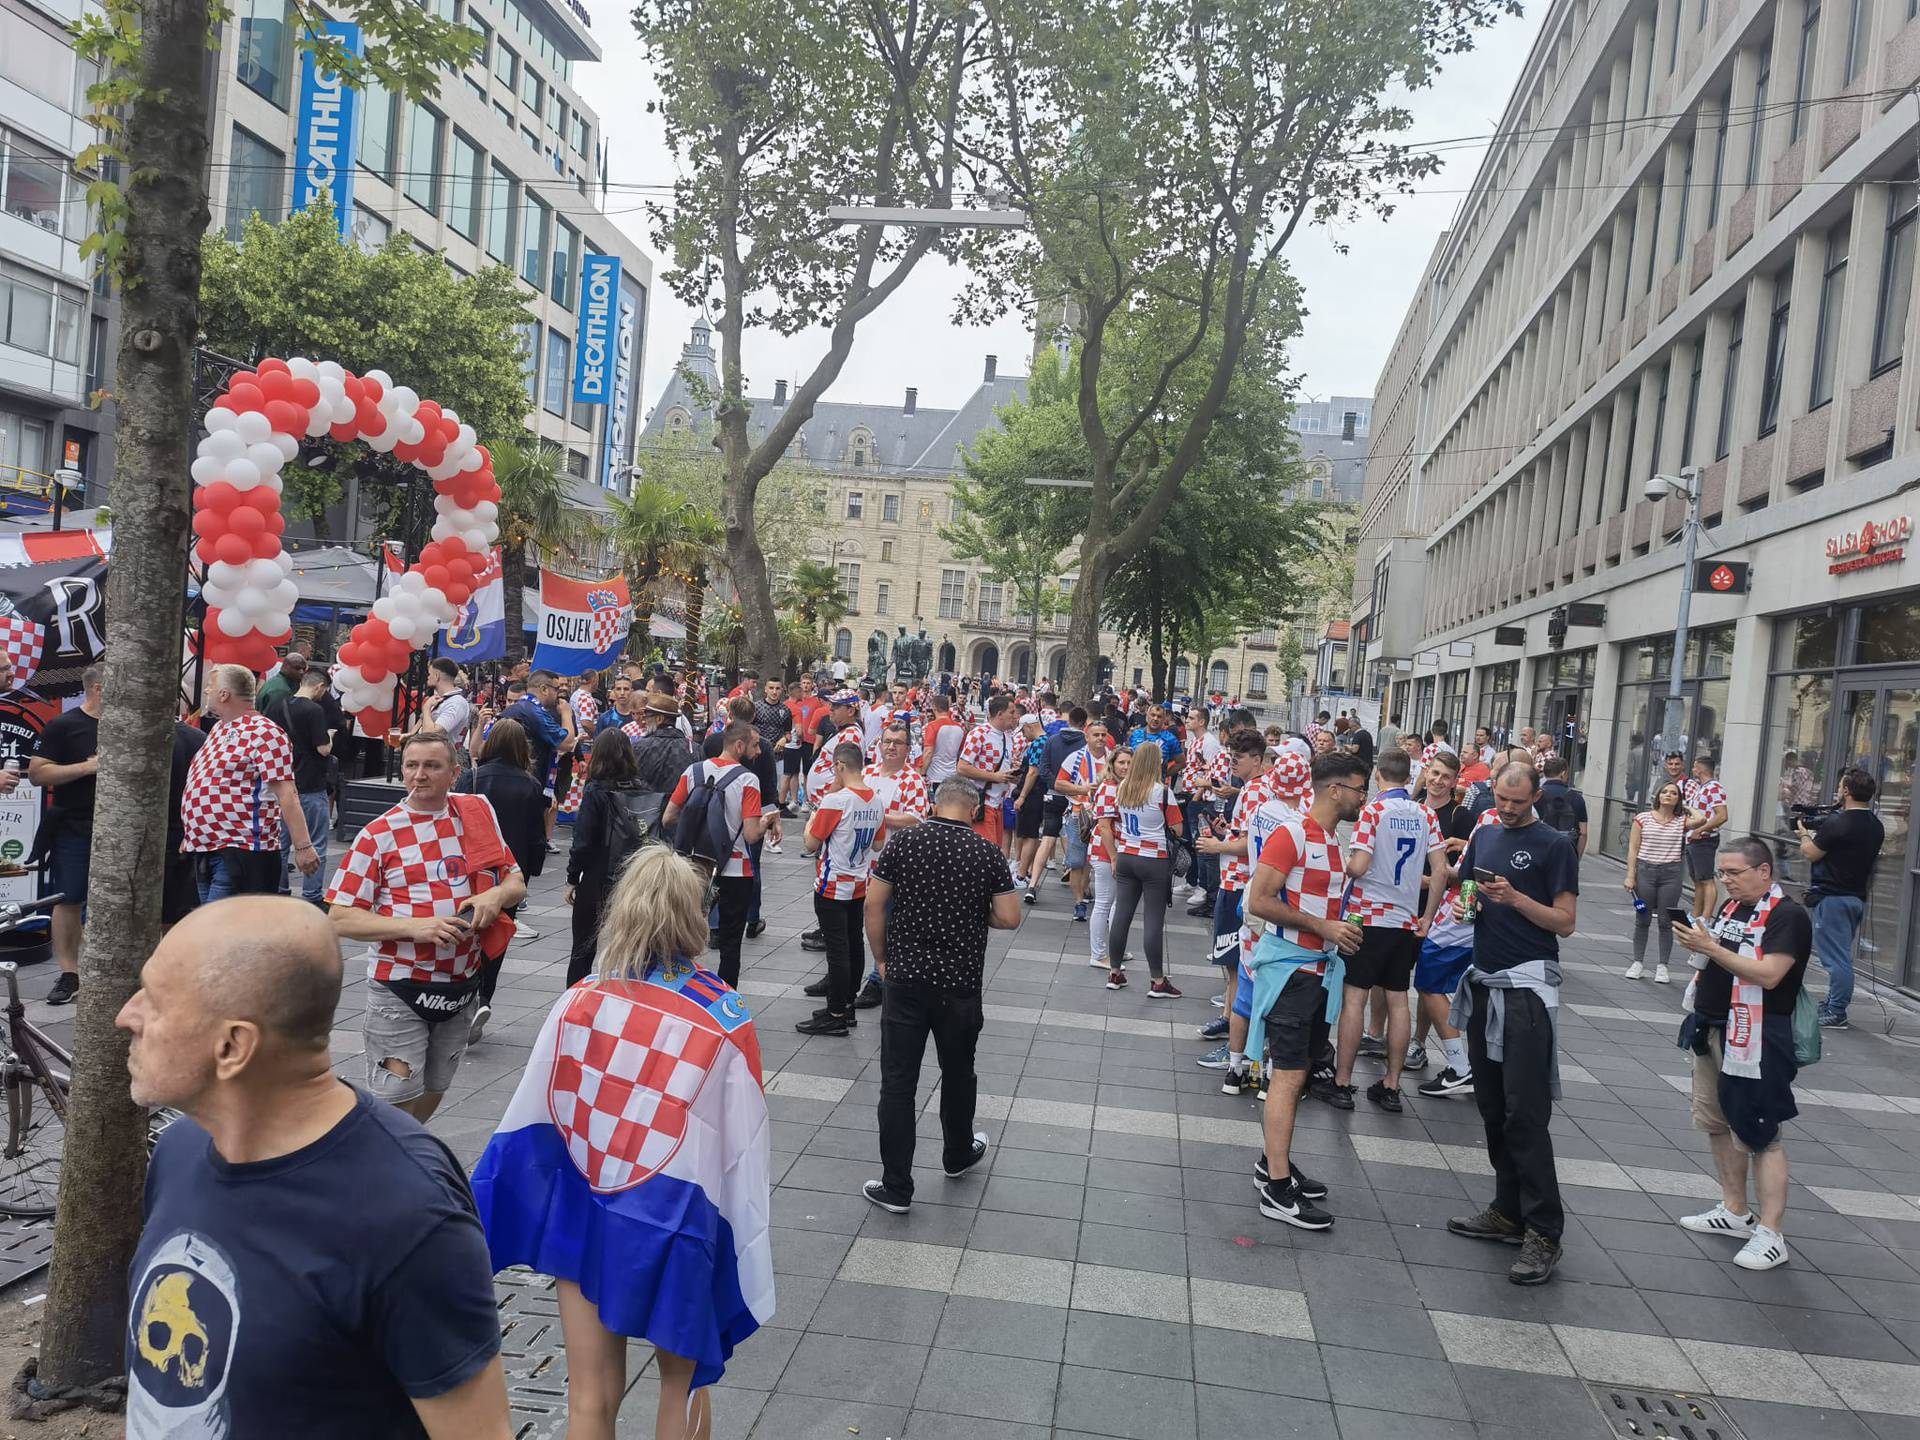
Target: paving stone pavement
{"x": 1107, "y": 1272}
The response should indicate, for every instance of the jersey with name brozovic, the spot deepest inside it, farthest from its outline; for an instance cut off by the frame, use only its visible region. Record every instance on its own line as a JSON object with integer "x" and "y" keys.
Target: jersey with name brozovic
{"x": 848, "y": 823}
{"x": 1399, "y": 832}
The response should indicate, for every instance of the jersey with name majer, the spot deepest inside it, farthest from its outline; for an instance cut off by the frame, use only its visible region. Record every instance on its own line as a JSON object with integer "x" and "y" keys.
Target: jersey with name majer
{"x": 1139, "y": 829}
{"x": 848, "y": 824}
{"x": 1399, "y": 832}
{"x": 1312, "y": 874}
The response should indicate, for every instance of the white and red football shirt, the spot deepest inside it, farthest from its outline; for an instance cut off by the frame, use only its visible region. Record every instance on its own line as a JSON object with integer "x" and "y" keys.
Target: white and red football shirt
{"x": 902, "y": 793}
{"x": 987, "y": 748}
{"x": 849, "y": 824}
{"x": 1448, "y": 928}
{"x": 742, "y": 799}
{"x": 1399, "y": 832}
{"x": 1083, "y": 767}
{"x": 1139, "y": 829}
{"x": 1702, "y": 796}
{"x": 820, "y": 773}
{"x": 1235, "y": 868}
{"x": 410, "y": 865}
{"x": 1312, "y": 874}
{"x": 228, "y": 802}
{"x": 1104, "y": 794}
{"x": 940, "y": 743}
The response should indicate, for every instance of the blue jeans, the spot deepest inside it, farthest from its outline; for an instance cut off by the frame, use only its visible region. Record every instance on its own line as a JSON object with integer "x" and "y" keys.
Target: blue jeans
{"x": 1836, "y": 921}
{"x": 319, "y": 817}
{"x": 242, "y": 872}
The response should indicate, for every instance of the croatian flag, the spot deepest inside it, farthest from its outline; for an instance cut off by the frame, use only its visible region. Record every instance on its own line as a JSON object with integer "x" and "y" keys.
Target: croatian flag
{"x": 583, "y": 623}
{"x": 478, "y": 630}
{"x": 633, "y": 1160}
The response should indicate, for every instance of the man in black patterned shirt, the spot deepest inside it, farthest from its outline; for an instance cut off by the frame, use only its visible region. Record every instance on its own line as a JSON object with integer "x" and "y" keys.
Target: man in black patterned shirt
{"x": 934, "y": 893}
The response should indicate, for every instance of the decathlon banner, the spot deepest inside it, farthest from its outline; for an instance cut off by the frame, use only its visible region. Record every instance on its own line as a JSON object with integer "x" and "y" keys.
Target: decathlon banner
{"x": 583, "y": 623}
{"x": 593, "y": 356}
{"x": 323, "y": 158}
{"x": 478, "y": 630}
{"x": 614, "y": 436}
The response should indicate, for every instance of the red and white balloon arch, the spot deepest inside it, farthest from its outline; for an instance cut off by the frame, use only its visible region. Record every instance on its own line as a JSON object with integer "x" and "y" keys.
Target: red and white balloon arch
{"x": 253, "y": 430}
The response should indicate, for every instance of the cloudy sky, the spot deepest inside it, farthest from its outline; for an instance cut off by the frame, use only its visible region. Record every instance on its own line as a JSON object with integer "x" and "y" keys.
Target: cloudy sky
{"x": 1355, "y": 299}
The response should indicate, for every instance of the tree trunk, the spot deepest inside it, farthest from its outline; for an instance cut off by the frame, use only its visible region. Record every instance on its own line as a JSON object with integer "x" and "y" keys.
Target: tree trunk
{"x": 640, "y": 632}
{"x": 748, "y": 564}
{"x": 1083, "y": 627}
{"x": 696, "y": 610}
{"x": 513, "y": 581}
{"x": 105, "y": 1163}
{"x": 1157, "y": 641}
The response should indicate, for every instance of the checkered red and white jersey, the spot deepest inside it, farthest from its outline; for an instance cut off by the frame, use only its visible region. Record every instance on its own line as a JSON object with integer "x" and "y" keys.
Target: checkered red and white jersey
{"x": 904, "y": 793}
{"x": 408, "y": 865}
{"x": 1220, "y": 772}
{"x": 586, "y": 710}
{"x": 986, "y": 748}
{"x": 742, "y": 799}
{"x": 1104, "y": 794}
{"x": 849, "y": 825}
{"x": 228, "y": 802}
{"x": 1235, "y": 869}
{"x": 1702, "y": 797}
{"x": 1083, "y": 767}
{"x": 1196, "y": 759}
{"x": 1312, "y": 874}
{"x": 820, "y": 773}
{"x": 1448, "y": 928}
{"x": 1139, "y": 829}
{"x": 1399, "y": 832}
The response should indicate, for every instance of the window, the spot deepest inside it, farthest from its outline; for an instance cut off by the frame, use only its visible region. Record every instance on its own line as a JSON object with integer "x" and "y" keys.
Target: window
{"x": 850, "y": 584}
{"x": 556, "y": 112}
{"x": 533, "y": 238}
{"x": 991, "y": 596}
{"x": 1896, "y": 276}
{"x": 1673, "y": 43}
{"x": 882, "y": 597}
{"x": 40, "y": 62}
{"x": 559, "y": 371}
{"x": 370, "y": 229}
{"x": 1770, "y": 382}
{"x": 464, "y": 190}
{"x": 425, "y": 130}
{"x": 23, "y": 445}
{"x": 1693, "y": 401}
{"x": 37, "y": 317}
{"x": 1181, "y": 673}
{"x": 856, "y": 504}
{"x": 1653, "y": 234}
{"x": 886, "y": 552}
{"x": 890, "y": 508}
{"x": 265, "y": 52}
{"x": 253, "y": 182}
{"x": 1826, "y": 340}
{"x": 1257, "y": 683}
{"x": 500, "y": 212}
{"x": 1217, "y": 675}
{"x": 533, "y": 140}
{"x": 505, "y": 65}
{"x": 485, "y": 32}
{"x": 1730, "y": 387}
{"x": 1803, "y": 76}
{"x": 1659, "y": 429}
{"x": 843, "y": 644}
{"x": 1757, "y": 126}
{"x": 860, "y": 449}
{"x": 36, "y": 188}
{"x": 579, "y": 135}
{"x": 1856, "y": 23}
{"x": 953, "y": 594}
{"x": 1686, "y": 193}
{"x": 530, "y": 357}
{"x": 530, "y": 88}
{"x": 1719, "y": 163}
{"x": 503, "y": 115}
{"x": 566, "y": 262}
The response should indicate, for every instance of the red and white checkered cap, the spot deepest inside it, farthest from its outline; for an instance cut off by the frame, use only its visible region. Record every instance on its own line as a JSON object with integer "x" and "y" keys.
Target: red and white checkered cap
{"x": 1291, "y": 777}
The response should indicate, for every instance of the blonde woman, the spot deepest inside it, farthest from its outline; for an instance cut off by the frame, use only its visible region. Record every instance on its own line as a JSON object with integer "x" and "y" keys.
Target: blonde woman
{"x": 646, "y": 1197}
{"x": 1101, "y": 859}
{"x": 1138, "y": 821}
{"x": 1655, "y": 874}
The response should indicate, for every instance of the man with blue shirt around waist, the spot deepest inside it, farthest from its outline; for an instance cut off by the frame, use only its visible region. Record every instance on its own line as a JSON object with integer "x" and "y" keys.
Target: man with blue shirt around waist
{"x": 1527, "y": 881}
{"x": 1298, "y": 969}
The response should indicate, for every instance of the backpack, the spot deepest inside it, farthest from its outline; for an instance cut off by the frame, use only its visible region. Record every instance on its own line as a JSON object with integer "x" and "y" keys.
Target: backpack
{"x": 1059, "y": 746}
{"x": 633, "y": 819}
{"x": 702, "y": 834}
{"x": 1555, "y": 807}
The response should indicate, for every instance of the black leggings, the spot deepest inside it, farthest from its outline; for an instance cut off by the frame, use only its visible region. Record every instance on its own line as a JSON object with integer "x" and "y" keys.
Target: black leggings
{"x": 587, "y": 896}
{"x": 1141, "y": 879}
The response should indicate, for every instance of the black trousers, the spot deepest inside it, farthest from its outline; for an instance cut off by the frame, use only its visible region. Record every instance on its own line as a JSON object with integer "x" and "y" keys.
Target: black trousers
{"x": 490, "y": 969}
{"x": 587, "y": 898}
{"x": 910, "y": 1014}
{"x": 733, "y": 894}
{"x": 1516, "y": 1106}
{"x": 843, "y": 927}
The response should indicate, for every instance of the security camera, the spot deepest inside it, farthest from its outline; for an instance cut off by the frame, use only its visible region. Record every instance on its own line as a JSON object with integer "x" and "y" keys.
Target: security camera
{"x": 1657, "y": 486}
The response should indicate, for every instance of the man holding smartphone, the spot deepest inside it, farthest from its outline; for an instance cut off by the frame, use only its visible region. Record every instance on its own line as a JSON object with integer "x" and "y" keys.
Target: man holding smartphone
{"x": 1528, "y": 882}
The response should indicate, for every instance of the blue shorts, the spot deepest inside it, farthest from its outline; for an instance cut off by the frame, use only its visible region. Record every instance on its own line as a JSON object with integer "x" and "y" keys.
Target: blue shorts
{"x": 69, "y": 854}
{"x": 1441, "y": 968}
{"x": 1076, "y": 847}
{"x": 1243, "y": 992}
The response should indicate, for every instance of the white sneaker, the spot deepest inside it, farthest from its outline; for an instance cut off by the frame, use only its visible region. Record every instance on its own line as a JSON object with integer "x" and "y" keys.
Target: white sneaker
{"x": 1636, "y": 970}
{"x": 1659, "y": 974}
{"x": 1098, "y": 962}
{"x": 773, "y": 847}
{"x": 1766, "y": 1250}
{"x": 1720, "y": 1221}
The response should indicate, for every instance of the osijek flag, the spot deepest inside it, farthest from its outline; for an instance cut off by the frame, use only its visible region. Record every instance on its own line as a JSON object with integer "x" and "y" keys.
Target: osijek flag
{"x": 583, "y": 623}
{"x": 633, "y": 1161}
{"x": 478, "y": 630}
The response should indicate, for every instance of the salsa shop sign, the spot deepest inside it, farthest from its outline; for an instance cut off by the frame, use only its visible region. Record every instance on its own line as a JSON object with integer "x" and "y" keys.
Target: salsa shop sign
{"x": 1875, "y": 543}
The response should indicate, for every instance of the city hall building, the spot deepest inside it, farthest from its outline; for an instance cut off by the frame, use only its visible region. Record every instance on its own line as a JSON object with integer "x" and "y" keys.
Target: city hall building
{"x": 1691, "y": 243}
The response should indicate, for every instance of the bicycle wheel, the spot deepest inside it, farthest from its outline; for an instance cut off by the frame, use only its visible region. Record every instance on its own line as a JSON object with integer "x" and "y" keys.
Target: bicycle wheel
{"x": 35, "y": 1137}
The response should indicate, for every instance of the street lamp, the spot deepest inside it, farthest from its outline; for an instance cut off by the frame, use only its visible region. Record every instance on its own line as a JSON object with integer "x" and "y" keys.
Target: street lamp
{"x": 916, "y": 218}
{"x": 64, "y": 479}
{"x": 1659, "y": 487}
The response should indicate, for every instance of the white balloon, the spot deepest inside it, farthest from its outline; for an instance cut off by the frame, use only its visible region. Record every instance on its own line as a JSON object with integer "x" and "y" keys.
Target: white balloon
{"x": 242, "y": 473}
{"x": 217, "y": 596}
{"x": 386, "y": 380}
{"x": 249, "y": 601}
{"x": 384, "y": 441}
{"x": 301, "y": 367}
{"x": 318, "y": 420}
{"x": 207, "y": 469}
{"x": 232, "y": 623}
{"x": 222, "y": 419}
{"x": 444, "y": 528}
{"x": 413, "y": 582}
{"x": 477, "y": 540}
{"x": 287, "y": 446}
{"x": 332, "y": 369}
{"x": 224, "y": 445}
{"x": 274, "y": 483}
{"x": 260, "y": 574}
{"x": 276, "y": 623}
{"x": 284, "y": 596}
{"x": 230, "y": 576}
{"x": 487, "y": 512}
{"x": 266, "y": 456}
{"x": 467, "y": 438}
{"x": 405, "y": 398}
{"x": 413, "y": 431}
{"x": 254, "y": 427}
{"x": 474, "y": 461}
{"x": 385, "y": 609}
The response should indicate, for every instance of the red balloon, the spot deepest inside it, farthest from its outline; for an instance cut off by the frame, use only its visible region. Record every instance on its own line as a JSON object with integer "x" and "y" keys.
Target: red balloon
{"x": 345, "y": 430}
{"x": 459, "y": 591}
{"x": 286, "y": 417}
{"x": 373, "y": 632}
{"x": 224, "y": 403}
{"x": 247, "y": 521}
{"x": 243, "y": 377}
{"x": 367, "y": 416}
{"x": 220, "y": 495}
{"x": 449, "y": 429}
{"x": 375, "y": 674}
{"x": 266, "y": 546}
{"x": 247, "y": 397}
{"x": 234, "y": 549}
{"x": 349, "y": 654}
{"x": 210, "y": 524}
{"x": 406, "y": 450}
{"x": 276, "y": 384}
{"x": 437, "y": 576}
{"x": 372, "y": 388}
{"x": 460, "y": 570}
{"x": 375, "y": 722}
{"x": 276, "y": 523}
{"x": 205, "y": 549}
{"x": 275, "y": 365}
{"x": 263, "y": 498}
{"x": 305, "y": 392}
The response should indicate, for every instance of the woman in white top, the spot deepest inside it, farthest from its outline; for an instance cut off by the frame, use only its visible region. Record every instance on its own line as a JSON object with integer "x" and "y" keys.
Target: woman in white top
{"x": 1101, "y": 859}
{"x": 1139, "y": 823}
{"x": 1655, "y": 871}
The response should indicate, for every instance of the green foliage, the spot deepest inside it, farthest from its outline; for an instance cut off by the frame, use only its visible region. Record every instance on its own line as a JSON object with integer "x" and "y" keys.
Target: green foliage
{"x": 297, "y": 288}
{"x": 536, "y": 497}
{"x": 789, "y": 508}
{"x": 812, "y": 591}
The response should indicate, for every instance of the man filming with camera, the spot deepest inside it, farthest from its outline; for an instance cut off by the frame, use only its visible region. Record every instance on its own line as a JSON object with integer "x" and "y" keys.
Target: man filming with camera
{"x": 1842, "y": 850}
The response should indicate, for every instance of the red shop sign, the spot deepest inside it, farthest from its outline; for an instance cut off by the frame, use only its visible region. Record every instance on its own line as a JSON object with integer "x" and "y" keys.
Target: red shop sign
{"x": 1871, "y": 545}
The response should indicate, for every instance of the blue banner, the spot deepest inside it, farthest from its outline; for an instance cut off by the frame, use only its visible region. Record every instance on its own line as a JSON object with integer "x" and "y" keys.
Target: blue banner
{"x": 625, "y": 338}
{"x": 323, "y": 159}
{"x": 593, "y": 356}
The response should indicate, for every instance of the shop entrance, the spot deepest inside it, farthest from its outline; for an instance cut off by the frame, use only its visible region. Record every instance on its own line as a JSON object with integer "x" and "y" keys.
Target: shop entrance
{"x": 1564, "y": 722}
{"x": 1878, "y": 729}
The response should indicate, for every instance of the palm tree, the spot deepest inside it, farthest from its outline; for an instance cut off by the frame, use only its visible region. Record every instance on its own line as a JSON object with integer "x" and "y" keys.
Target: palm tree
{"x": 706, "y": 537}
{"x": 654, "y": 530}
{"x": 535, "y": 509}
{"x": 813, "y": 590}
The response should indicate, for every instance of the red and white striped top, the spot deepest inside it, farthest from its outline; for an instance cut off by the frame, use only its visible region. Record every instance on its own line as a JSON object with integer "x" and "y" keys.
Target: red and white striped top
{"x": 1661, "y": 841}
{"x": 1312, "y": 873}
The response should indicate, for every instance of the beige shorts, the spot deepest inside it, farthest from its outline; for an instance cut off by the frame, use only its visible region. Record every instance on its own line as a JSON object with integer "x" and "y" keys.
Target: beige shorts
{"x": 1704, "y": 1097}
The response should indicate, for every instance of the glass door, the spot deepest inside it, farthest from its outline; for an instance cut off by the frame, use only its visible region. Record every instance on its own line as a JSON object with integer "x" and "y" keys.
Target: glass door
{"x": 1879, "y": 731}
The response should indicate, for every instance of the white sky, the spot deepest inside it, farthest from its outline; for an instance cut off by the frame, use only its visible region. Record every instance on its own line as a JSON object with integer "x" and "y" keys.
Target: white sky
{"x": 1355, "y": 300}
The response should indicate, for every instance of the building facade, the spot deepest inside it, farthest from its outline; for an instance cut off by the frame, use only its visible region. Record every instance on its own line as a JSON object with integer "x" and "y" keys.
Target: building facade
{"x": 56, "y": 334}
{"x": 1691, "y": 245}
{"x": 889, "y": 472}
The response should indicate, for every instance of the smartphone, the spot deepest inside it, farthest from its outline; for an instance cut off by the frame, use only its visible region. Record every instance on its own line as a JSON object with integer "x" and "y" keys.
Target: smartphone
{"x": 1677, "y": 916}
{"x": 1483, "y": 875}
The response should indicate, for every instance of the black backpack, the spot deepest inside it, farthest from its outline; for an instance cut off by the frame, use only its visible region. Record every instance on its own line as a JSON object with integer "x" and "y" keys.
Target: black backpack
{"x": 702, "y": 833}
{"x": 1555, "y": 807}
{"x": 1058, "y": 747}
{"x": 633, "y": 820}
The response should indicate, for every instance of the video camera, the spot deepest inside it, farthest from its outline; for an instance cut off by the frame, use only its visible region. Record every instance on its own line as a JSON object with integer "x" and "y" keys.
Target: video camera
{"x": 1811, "y": 815}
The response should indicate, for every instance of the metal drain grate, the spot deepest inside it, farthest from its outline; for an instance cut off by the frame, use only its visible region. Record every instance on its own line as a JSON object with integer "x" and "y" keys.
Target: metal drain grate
{"x": 531, "y": 1347}
{"x": 1663, "y": 1414}
{"x": 26, "y": 1246}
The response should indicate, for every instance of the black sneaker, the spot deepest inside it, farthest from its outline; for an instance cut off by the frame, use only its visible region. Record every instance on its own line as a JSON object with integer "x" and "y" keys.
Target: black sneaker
{"x": 813, "y": 940}
{"x": 1339, "y": 1096}
{"x": 1309, "y": 1187}
{"x": 1031, "y": 897}
{"x": 64, "y": 989}
{"x": 1386, "y": 1098}
{"x": 870, "y": 995}
{"x": 817, "y": 990}
{"x": 1286, "y": 1202}
{"x": 1238, "y": 1082}
{"x": 1538, "y": 1256}
{"x": 877, "y": 1193}
{"x": 1488, "y": 1224}
{"x": 825, "y": 1022}
{"x": 974, "y": 1156}
{"x": 1447, "y": 1082}
{"x": 755, "y": 929}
